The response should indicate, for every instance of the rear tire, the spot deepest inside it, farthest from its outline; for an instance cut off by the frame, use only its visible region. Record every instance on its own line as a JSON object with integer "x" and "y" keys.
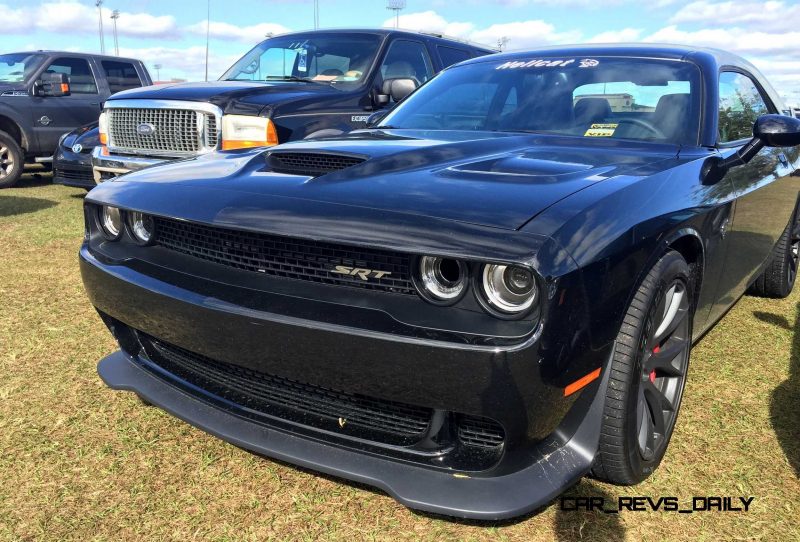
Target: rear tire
{"x": 777, "y": 280}
{"x": 648, "y": 373}
{"x": 12, "y": 160}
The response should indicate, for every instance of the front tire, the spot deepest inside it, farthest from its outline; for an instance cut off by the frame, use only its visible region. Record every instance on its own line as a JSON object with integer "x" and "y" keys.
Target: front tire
{"x": 648, "y": 374}
{"x": 12, "y": 160}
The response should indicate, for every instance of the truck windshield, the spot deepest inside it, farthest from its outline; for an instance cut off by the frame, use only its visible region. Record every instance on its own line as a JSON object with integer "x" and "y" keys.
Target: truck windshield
{"x": 334, "y": 58}
{"x": 18, "y": 67}
{"x": 603, "y": 97}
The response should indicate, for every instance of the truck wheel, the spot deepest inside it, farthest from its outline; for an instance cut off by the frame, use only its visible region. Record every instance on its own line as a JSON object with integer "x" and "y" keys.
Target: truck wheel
{"x": 777, "y": 280}
{"x": 12, "y": 161}
{"x": 648, "y": 373}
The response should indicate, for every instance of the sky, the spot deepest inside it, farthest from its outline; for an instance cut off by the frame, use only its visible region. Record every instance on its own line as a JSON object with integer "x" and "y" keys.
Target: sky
{"x": 172, "y": 32}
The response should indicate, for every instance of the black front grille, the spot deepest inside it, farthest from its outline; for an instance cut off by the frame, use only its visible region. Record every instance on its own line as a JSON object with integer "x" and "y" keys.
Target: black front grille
{"x": 346, "y": 413}
{"x": 287, "y": 257}
{"x": 311, "y": 164}
{"x": 83, "y": 175}
{"x": 480, "y": 432}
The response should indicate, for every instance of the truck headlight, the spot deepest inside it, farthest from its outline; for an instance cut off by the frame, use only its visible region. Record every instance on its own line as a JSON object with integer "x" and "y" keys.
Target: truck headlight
{"x": 244, "y": 131}
{"x": 508, "y": 289}
{"x": 102, "y": 127}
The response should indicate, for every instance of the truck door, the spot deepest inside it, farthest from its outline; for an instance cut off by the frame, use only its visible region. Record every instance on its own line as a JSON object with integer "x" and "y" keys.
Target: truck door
{"x": 54, "y": 116}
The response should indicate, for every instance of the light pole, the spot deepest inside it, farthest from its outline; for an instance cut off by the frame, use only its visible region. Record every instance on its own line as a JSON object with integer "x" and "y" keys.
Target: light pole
{"x": 316, "y": 14}
{"x": 208, "y": 33}
{"x": 114, "y": 17}
{"x": 99, "y": 5}
{"x": 158, "y": 71}
{"x": 396, "y": 6}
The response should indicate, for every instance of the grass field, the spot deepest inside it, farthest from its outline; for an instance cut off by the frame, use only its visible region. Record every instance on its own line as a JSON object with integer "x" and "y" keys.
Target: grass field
{"x": 81, "y": 462}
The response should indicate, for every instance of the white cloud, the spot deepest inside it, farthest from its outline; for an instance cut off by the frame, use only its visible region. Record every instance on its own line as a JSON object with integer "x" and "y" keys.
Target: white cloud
{"x": 430, "y": 21}
{"x": 251, "y": 34}
{"x": 76, "y": 18}
{"x": 736, "y": 40}
{"x": 770, "y": 16}
{"x": 181, "y": 62}
{"x": 525, "y": 34}
{"x": 617, "y": 36}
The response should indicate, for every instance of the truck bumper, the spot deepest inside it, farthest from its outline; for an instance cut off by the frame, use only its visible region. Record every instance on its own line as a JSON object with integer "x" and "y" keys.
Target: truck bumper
{"x": 107, "y": 166}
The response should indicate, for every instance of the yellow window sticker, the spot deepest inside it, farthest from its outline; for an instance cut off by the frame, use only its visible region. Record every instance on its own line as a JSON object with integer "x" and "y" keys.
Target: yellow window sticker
{"x": 601, "y": 130}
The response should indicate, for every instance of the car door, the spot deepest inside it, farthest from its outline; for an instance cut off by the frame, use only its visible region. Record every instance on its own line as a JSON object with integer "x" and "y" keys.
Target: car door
{"x": 766, "y": 191}
{"x": 54, "y": 116}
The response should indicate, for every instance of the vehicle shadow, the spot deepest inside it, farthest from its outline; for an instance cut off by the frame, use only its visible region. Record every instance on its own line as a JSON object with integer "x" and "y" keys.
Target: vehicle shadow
{"x": 785, "y": 403}
{"x": 18, "y": 205}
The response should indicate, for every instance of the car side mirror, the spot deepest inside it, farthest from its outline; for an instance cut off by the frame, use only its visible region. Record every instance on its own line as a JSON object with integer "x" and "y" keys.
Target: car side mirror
{"x": 398, "y": 88}
{"x": 52, "y": 85}
{"x": 768, "y": 131}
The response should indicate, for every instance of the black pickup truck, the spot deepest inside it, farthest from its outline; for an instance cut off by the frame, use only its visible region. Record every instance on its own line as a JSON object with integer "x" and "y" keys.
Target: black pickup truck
{"x": 44, "y": 94}
{"x": 289, "y": 87}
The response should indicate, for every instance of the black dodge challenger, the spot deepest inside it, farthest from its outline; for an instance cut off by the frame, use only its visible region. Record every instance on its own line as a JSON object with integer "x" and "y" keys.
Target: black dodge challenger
{"x": 488, "y": 294}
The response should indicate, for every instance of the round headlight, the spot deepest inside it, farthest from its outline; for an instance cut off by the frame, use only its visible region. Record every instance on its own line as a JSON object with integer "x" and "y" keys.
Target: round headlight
{"x": 442, "y": 280}
{"x": 509, "y": 289}
{"x": 142, "y": 227}
{"x": 111, "y": 221}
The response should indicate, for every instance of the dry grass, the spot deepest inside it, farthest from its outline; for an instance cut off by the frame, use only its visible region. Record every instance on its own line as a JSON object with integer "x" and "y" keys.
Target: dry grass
{"x": 79, "y": 461}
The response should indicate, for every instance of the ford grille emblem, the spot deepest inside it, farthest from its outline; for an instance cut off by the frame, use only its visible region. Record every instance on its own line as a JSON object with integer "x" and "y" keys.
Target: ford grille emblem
{"x": 145, "y": 129}
{"x": 77, "y": 148}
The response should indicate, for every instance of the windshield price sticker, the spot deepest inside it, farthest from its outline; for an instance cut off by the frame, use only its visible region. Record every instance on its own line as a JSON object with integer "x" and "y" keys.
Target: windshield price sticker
{"x": 601, "y": 130}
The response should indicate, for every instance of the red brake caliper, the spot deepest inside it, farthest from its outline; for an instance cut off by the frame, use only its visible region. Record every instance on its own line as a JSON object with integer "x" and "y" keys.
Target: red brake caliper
{"x": 656, "y": 350}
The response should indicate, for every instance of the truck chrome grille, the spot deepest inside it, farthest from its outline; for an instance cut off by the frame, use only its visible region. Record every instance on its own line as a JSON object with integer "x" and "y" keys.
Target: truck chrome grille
{"x": 286, "y": 257}
{"x": 175, "y": 132}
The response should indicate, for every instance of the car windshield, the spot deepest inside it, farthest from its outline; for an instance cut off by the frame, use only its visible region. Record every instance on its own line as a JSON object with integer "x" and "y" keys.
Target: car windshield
{"x": 325, "y": 58}
{"x": 18, "y": 67}
{"x": 606, "y": 97}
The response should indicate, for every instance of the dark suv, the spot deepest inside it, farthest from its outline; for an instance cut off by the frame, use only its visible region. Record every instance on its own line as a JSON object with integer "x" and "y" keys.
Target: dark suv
{"x": 44, "y": 94}
{"x": 294, "y": 86}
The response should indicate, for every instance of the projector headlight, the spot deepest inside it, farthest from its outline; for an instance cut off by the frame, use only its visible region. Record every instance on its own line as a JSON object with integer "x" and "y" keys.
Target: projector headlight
{"x": 441, "y": 280}
{"x": 110, "y": 222}
{"x": 245, "y": 131}
{"x": 509, "y": 289}
{"x": 142, "y": 226}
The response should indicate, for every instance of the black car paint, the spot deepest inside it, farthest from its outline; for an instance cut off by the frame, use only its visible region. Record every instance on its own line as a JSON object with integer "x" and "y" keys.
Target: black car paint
{"x": 590, "y": 216}
{"x": 72, "y": 168}
{"x": 300, "y": 109}
{"x": 21, "y": 110}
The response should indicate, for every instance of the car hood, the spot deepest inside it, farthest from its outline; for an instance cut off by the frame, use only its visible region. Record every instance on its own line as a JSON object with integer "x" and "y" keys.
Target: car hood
{"x": 231, "y": 96}
{"x": 497, "y": 180}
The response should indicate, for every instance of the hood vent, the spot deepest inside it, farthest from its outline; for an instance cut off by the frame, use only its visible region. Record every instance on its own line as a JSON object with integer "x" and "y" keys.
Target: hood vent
{"x": 310, "y": 164}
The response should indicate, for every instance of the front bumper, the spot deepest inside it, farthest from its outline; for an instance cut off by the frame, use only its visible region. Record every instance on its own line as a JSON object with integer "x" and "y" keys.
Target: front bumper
{"x": 73, "y": 169}
{"x": 107, "y": 166}
{"x": 550, "y": 441}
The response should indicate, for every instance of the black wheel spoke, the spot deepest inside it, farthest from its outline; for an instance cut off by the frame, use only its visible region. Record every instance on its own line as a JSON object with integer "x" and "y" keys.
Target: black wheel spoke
{"x": 668, "y": 360}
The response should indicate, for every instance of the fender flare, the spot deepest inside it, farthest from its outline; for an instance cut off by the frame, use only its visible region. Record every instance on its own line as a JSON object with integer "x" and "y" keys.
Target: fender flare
{"x": 26, "y": 134}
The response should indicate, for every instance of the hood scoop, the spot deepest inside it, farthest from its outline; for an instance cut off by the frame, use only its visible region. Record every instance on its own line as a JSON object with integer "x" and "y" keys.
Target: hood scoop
{"x": 311, "y": 164}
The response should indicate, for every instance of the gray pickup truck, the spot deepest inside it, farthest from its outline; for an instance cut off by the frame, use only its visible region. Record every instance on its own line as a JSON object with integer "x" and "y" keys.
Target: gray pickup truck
{"x": 44, "y": 94}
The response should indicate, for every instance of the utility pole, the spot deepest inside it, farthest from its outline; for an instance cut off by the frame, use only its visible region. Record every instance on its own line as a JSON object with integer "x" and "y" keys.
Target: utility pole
{"x": 114, "y": 17}
{"x": 316, "y": 14}
{"x": 208, "y": 33}
{"x": 99, "y": 5}
{"x": 158, "y": 71}
{"x": 396, "y": 6}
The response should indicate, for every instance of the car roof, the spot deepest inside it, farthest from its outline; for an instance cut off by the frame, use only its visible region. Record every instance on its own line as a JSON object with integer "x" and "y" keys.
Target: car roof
{"x": 75, "y": 54}
{"x": 395, "y": 31}
{"x": 648, "y": 50}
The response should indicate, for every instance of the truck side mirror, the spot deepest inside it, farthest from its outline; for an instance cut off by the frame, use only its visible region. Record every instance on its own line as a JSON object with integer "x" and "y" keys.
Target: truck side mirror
{"x": 52, "y": 84}
{"x": 399, "y": 87}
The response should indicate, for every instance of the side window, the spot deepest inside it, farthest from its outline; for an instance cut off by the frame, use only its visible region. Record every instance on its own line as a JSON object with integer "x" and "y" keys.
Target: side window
{"x": 81, "y": 80}
{"x": 121, "y": 75}
{"x": 407, "y": 59}
{"x": 740, "y": 104}
{"x": 451, "y": 55}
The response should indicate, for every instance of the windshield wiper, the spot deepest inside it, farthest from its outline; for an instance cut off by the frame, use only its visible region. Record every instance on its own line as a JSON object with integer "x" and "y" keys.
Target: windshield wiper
{"x": 293, "y": 78}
